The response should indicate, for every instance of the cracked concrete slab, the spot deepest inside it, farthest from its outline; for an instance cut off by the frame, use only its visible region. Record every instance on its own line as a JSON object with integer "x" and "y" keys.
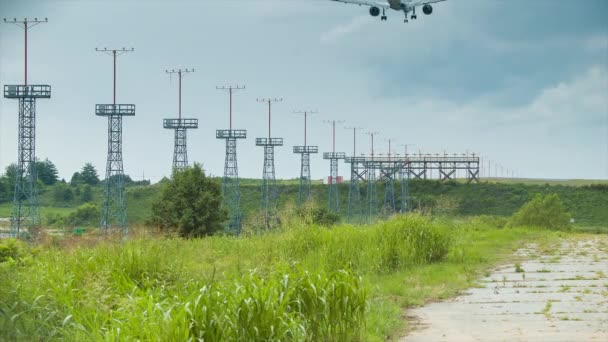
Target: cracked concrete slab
{"x": 562, "y": 296}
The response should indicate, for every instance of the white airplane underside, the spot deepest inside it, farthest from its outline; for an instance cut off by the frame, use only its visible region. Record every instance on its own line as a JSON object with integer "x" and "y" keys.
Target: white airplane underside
{"x": 376, "y": 7}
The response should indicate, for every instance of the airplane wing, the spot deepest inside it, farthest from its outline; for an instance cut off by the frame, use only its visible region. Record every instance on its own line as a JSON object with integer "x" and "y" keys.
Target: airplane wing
{"x": 422, "y": 3}
{"x": 370, "y": 3}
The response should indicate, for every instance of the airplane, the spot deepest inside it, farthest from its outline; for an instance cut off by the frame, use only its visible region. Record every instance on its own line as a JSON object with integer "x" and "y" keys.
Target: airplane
{"x": 406, "y": 6}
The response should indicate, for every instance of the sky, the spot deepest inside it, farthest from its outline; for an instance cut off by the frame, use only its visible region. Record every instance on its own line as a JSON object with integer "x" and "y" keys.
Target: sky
{"x": 523, "y": 83}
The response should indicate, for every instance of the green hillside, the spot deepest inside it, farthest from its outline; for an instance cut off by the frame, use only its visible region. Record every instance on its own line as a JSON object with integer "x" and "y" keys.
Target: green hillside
{"x": 588, "y": 204}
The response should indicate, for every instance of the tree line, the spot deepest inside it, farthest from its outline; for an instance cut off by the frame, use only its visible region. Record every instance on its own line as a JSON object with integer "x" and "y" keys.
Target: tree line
{"x": 79, "y": 185}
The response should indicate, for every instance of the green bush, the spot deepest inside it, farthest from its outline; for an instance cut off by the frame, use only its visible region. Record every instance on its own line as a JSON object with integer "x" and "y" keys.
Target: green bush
{"x": 87, "y": 214}
{"x": 310, "y": 214}
{"x": 13, "y": 249}
{"x": 190, "y": 204}
{"x": 542, "y": 211}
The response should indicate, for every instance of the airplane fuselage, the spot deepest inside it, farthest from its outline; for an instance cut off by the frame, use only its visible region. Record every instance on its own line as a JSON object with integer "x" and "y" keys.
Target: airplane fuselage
{"x": 395, "y": 4}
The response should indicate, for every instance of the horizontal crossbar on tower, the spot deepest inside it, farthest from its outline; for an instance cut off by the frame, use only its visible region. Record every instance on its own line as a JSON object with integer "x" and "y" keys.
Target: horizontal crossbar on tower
{"x": 354, "y": 160}
{"x": 427, "y": 159}
{"x": 231, "y": 134}
{"x": 306, "y": 149}
{"x": 115, "y": 109}
{"x": 269, "y": 141}
{"x": 39, "y": 91}
{"x": 334, "y": 155}
{"x": 180, "y": 123}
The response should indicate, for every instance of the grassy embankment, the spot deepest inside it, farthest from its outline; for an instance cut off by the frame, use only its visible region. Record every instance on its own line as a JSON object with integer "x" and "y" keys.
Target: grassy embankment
{"x": 304, "y": 283}
{"x": 587, "y": 203}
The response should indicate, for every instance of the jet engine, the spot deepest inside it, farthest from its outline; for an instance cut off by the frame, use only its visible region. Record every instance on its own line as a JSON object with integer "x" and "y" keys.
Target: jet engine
{"x": 427, "y": 9}
{"x": 374, "y": 11}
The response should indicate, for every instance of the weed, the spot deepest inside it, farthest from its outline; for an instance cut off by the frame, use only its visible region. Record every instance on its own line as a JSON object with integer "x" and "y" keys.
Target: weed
{"x": 547, "y": 309}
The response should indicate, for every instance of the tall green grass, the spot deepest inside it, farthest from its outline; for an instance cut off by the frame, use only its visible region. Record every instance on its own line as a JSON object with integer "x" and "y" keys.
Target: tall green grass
{"x": 302, "y": 283}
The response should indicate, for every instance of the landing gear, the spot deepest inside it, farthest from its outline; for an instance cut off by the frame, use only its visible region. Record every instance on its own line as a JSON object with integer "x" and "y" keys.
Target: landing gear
{"x": 405, "y": 21}
{"x": 383, "y": 17}
{"x": 414, "y": 16}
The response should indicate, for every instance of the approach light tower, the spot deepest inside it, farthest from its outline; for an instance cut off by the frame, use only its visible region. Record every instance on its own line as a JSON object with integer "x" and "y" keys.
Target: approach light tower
{"x": 269, "y": 198}
{"x": 230, "y": 183}
{"x": 371, "y": 200}
{"x": 353, "y": 212}
{"x": 389, "y": 186}
{"x": 114, "y": 209}
{"x": 26, "y": 212}
{"x": 305, "y": 151}
{"x": 333, "y": 157}
{"x": 181, "y": 127}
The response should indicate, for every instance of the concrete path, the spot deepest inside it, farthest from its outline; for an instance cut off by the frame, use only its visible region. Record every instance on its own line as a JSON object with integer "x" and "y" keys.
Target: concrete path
{"x": 558, "y": 297}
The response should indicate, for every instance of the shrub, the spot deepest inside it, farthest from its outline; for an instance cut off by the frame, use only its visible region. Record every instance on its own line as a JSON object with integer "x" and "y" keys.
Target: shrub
{"x": 12, "y": 249}
{"x": 190, "y": 204}
{"x": 87, "y": 214}
{"x": 311, "y": 214}
{"x": 542, "y": 211}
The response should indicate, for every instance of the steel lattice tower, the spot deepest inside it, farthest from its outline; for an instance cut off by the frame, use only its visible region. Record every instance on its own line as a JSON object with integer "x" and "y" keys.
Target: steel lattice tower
{"x": 354, "y": 212}
{"x": 26, "y": 211}
{"x": 371, "y": 197}
{"x": 305, "y": 151}
{"x": 181, "y": 127}
{"x": 269, "y": 197}
{"x": 389, "y": 186}
{"x": 230, "y": 183}
{"x": 114, "y": 209}
{"x": 333, "y": 201}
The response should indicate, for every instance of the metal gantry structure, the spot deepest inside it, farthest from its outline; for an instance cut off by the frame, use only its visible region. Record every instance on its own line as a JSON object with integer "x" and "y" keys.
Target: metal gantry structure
{"x": 371, "y": 196}
{"x": 304, "y": 193}
{"x": 26, "y": 210}
{"x": 389, "y": 175}
{"x": 114, "y": 208}
{"x": 230, "y": 183}
{"x": 406, "y": 203}
{"x": 333, "y": 200}
{"x": 180, "y": 126}
{"x": 269, "y": 190}
{"x": 354, "y": 212}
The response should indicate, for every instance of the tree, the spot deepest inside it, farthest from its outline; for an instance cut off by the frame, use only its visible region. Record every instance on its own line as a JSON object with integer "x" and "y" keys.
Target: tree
{"x": 5, "y": 192}
{"x": 190, "y": 204}
{"x": 62, "y": 194}
{"x": 88, "y": 174}
{"x": 87, "y": 194}
{"x": 11, "y": 172}
{"x": 47, "y": 172}
{"x": 75, "y": 180}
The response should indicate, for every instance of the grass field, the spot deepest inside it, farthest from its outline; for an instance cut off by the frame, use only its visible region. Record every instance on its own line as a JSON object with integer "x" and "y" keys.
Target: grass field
{"x": 586, "y": 200}
{"x": 552, "y": 182}
{"x": 5, "y": 210}
{"x": 255, "y": 288}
